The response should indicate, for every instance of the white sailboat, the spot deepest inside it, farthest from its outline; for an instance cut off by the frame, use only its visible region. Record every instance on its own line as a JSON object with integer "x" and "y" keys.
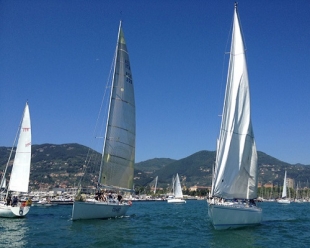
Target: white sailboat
{"x": 177, "y": 192}
{"x": 284, "y": 198}
{"x": 155, "y": 186}
{"x": 19, "y": 179}
{"x": 234, "y": 184}
{"x": 118, "y": 157}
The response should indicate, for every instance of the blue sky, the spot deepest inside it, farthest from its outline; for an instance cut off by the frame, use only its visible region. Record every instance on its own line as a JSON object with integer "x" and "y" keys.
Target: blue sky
{"x": 57, "y": 55}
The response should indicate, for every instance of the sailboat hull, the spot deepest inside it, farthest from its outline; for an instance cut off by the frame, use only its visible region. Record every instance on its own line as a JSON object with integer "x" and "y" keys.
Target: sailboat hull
{"x": 176, "y": 201}
{"x": 284, "y": 201}
{"x": 234, "y": 215}
{"x": 13, "y": 212}
{"x": 98, "y": 210}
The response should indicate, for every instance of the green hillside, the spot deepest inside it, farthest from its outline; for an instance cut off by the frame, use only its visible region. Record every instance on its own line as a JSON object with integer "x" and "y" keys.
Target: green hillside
{"x": 62, "y": 166}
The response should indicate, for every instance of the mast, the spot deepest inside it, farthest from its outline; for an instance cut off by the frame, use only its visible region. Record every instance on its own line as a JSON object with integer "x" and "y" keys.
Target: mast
{"x": 110, "y": 101}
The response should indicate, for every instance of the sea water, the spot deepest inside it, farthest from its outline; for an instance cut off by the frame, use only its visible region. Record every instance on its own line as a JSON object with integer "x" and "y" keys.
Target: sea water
{"x": 157, "y": 224}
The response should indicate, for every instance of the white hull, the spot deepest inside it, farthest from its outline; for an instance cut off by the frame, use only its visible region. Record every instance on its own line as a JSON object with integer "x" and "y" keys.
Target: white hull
{"x": 98, "y": 210}
{"x": 284, "y": 201}
{"x": 13, "y": 212}
{"x": 234, "y": 215}
{"x": 176, "y": 201}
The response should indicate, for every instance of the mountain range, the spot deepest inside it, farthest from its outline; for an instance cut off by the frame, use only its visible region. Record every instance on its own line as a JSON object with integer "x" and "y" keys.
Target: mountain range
{"x": 63, "y": 165}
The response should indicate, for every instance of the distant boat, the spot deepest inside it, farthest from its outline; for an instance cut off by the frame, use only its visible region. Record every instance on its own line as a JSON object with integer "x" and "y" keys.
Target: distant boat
{"x": 284, "y": 198}
{"x": 234, "y": 184}
{"x": 19, "y": 179}
{"x": 155, "y": 186}
{"x": 118, "y": 158}
{"x": 177, "y": 196}
{"x": 297, "y": 198}
{"x": 44, "y": 203}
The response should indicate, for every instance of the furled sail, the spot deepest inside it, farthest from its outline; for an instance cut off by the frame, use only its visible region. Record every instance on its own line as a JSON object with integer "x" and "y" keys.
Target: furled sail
{"x": 19, "y": 179}
{"x": 236, "y": 162}
{"x": 117, "y": 166}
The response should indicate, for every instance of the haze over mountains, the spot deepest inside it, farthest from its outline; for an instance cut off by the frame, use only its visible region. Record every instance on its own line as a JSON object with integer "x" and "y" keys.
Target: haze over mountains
{"x": 62, "y": 166}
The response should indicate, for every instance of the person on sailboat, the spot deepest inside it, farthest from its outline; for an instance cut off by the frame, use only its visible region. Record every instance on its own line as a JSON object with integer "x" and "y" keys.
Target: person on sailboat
{"x": 252, "y": 202}
{"x": 14, "y": 201}
{"x": 8, "y": 200}
{"x": 119, "y": 198}
{"x": 103, "y": 197}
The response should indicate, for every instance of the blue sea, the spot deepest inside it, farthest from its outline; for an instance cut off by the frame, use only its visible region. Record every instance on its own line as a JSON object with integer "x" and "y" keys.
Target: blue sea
{"x": 157, "y": 224}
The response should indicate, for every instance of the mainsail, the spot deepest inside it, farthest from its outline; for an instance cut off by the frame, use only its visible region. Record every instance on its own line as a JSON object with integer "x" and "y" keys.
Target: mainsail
{"x": 118, "y": 158}
{"x": 19, "y": 179}
{"x": 235, "y": 172}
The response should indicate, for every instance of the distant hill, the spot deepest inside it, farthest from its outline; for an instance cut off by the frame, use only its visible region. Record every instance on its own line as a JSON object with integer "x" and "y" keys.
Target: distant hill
{"x": 154, "y": 164}
{"x": 54, "y": 165}
{"x": 62, "y": 166}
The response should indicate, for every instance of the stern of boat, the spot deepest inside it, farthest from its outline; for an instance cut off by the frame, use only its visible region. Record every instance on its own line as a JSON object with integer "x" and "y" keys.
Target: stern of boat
{"x": 20, "y": 211}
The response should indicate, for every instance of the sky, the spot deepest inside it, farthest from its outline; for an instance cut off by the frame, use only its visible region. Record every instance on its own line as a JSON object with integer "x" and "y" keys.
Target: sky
{"x": 57, "y": 55}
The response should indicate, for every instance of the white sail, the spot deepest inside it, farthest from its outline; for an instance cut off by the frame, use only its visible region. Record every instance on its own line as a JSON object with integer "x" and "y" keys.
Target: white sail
{"x": 155, "y": 187}
{"x": 19, "y": 179}
{"x": 236, "y": 161}
{"x": 119, "y": 148}
{"x": 177, "y": 195}
{"x": 177, "y": 187}
{"x": 235, "y": 171}
{"x": 284, "y": 187}
{"x": 118, "y": 156}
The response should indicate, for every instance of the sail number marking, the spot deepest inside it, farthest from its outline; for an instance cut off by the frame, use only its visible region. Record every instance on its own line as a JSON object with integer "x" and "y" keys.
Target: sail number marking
{"x": 116, "y": 209}
{"x": 128, "y": 77}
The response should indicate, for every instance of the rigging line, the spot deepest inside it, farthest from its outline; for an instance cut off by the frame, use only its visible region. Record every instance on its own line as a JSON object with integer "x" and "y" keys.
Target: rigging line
{"x": 91, "y": 152}
{"x": 106, "y": 92}
{"x": 223, "y": 81}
